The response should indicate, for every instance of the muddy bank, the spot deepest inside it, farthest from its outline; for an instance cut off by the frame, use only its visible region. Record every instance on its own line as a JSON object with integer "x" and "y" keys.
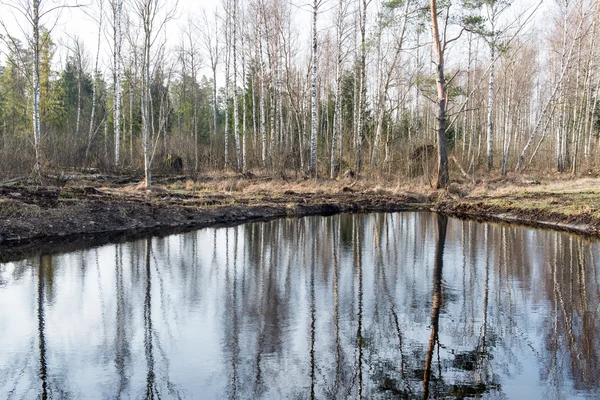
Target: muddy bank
{"x": 34, "y": 220}
{"x": 54, "y": 219}
{"x": 580, "y": 224}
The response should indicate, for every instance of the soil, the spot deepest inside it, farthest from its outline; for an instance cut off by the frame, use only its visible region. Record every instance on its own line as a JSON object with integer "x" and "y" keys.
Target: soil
{"x": 50, "y": 219}
{"x": 89, "y": 212}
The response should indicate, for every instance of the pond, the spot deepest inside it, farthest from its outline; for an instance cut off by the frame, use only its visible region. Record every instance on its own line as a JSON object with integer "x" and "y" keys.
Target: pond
{"x": 404, "y": 305}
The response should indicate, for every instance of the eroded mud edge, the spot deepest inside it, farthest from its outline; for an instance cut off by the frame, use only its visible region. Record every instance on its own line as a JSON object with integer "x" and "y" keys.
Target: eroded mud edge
{"x": 170, "y": 220}
{"x": 101, "y": 224}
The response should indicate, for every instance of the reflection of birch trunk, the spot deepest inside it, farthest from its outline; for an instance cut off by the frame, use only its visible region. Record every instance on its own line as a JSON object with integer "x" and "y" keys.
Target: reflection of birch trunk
{"x": 44, "y": 260}
{"x": 485, "y": 301}
{"x": 437, "y": 299}
{"x": 150, "y": 376}
{"x": 234, "y": 341}
{"x": 388, "y": 294}
{"x": 121, "y": 350}
{"x": 359, "y": 338}
{"x": 560, "y": 302}
{"x": 313, "y": 257}
{"x": 259, "y": 333}
{"x": 336, "y": 302}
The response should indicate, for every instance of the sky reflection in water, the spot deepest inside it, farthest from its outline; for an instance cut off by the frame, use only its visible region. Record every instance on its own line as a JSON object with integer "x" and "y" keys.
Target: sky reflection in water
{"x": 407, "y": 305}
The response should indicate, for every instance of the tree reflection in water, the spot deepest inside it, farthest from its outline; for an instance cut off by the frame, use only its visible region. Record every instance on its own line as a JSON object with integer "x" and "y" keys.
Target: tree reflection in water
{"x": 409, "y": 305}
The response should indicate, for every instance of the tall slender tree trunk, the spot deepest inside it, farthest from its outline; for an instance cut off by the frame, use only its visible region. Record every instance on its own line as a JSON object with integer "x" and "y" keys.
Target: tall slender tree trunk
{"x": 118, "y": 40}
{"x": 130, "y": 119}
{"x": 146, "y": 110}
{"x": 385, "y": 86}
{"x": 562, "y": 124}
{"x": 236, "y": 125}
{"x": 227, "y": 60}
{"x": 508, "y": 124}
{"x": 362, "y": 88}
{"x": 195, "y": 103}
{"x": 313, "y": 134}
{"x": 79, "y": 79}
{"x": 94, "y": 85}
{"x": 490, "y": 111}
{"x": 244, "y": 109}
{"x": 37, "y": 137}
{"x": 337, "y": 129}
{"x": 550, "y": 102}
{"x": 442, "y": 174}
{"x": 263, "y": 122}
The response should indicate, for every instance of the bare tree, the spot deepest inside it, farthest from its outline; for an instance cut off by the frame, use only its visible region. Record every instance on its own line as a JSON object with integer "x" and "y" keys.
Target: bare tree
{"x": 361, "y": 85}
{"x": 313, "y": 131}
{"x": 153, "y": 15}
{"x": 210, "y": 36}
{"x": 440, "y": 47}
{"x": 236, "y": 125}
{"x": 336, "y": 140}
{"x": 91, "y": 131}
{"x": 117, "y": 17}
{"x": 34, "y": 12}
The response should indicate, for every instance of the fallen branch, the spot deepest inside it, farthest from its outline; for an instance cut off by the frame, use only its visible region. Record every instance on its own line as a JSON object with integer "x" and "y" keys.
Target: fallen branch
{"x": 13, "y": 180}
{"x": 462, "y": 171}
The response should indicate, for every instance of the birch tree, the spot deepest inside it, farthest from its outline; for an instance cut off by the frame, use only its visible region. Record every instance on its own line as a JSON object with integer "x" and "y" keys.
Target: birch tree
{"x": 34, "y": 13}
{"x": 153, "y": 16}
{"x": 387, "y": 71}
{"x": 361, "y": 85}
{"x": 492, "y": 34}
{"x": 236, "y": 127}
{"x": 210, "y": 36}
{"x": 313, "y": 131}
{"x": 336, "y": 140}
{"x": 91, "y": 131}
{"x": 117, "y": 14}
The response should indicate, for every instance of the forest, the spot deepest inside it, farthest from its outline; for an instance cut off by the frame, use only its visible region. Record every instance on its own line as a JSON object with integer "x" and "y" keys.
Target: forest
{"x": 395, "y": 89}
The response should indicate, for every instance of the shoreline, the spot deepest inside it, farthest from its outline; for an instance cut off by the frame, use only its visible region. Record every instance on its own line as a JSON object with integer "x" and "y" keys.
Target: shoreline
{"x": 48, "y": 220}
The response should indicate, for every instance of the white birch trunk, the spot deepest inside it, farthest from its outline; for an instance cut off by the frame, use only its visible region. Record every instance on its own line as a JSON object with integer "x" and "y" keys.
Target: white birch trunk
{"x": 361, "y": 89}
{"x": 94, "y": 85}
{"x": 313, "y": 134}
{"x": 490, "y": 110}
{"x": 244, "y": 106}
{"x": 337, "y": 129}
{"x": 227, "y": 60}
{"x": 37, "y": 137}
{"x": 118, "y": 41}
{"x": 236, "y": 125}
{"x": 549, "y": 102}
{"x": 263, "y": 122}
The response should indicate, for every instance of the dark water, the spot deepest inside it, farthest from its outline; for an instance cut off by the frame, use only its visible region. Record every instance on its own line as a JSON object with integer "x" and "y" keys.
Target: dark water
{"x": 375, "y": 306}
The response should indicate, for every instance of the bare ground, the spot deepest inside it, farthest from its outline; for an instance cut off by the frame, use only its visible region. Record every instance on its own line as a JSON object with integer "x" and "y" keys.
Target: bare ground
{"x": 96, "y": 209}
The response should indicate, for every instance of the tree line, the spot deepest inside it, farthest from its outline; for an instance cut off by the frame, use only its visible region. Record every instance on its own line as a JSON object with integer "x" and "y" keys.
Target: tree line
{"x": 391, "y": 88}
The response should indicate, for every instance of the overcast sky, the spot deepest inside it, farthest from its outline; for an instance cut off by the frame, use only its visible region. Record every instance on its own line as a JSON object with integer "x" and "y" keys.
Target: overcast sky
{"x": 82, "y": 22}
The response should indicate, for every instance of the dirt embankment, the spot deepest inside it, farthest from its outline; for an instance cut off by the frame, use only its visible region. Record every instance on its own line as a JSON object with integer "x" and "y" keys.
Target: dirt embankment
{"x": 46, "y": 218}
{"x": 564, "y": 205}
{"x": 91, "y": 212}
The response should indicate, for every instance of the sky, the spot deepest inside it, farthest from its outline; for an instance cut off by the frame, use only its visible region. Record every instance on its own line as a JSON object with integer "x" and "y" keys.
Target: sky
{"x": 83, "y": 23}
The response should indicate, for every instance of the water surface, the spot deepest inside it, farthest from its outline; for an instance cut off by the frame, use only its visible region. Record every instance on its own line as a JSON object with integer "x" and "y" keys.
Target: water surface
{"x": 406, "y": 305}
